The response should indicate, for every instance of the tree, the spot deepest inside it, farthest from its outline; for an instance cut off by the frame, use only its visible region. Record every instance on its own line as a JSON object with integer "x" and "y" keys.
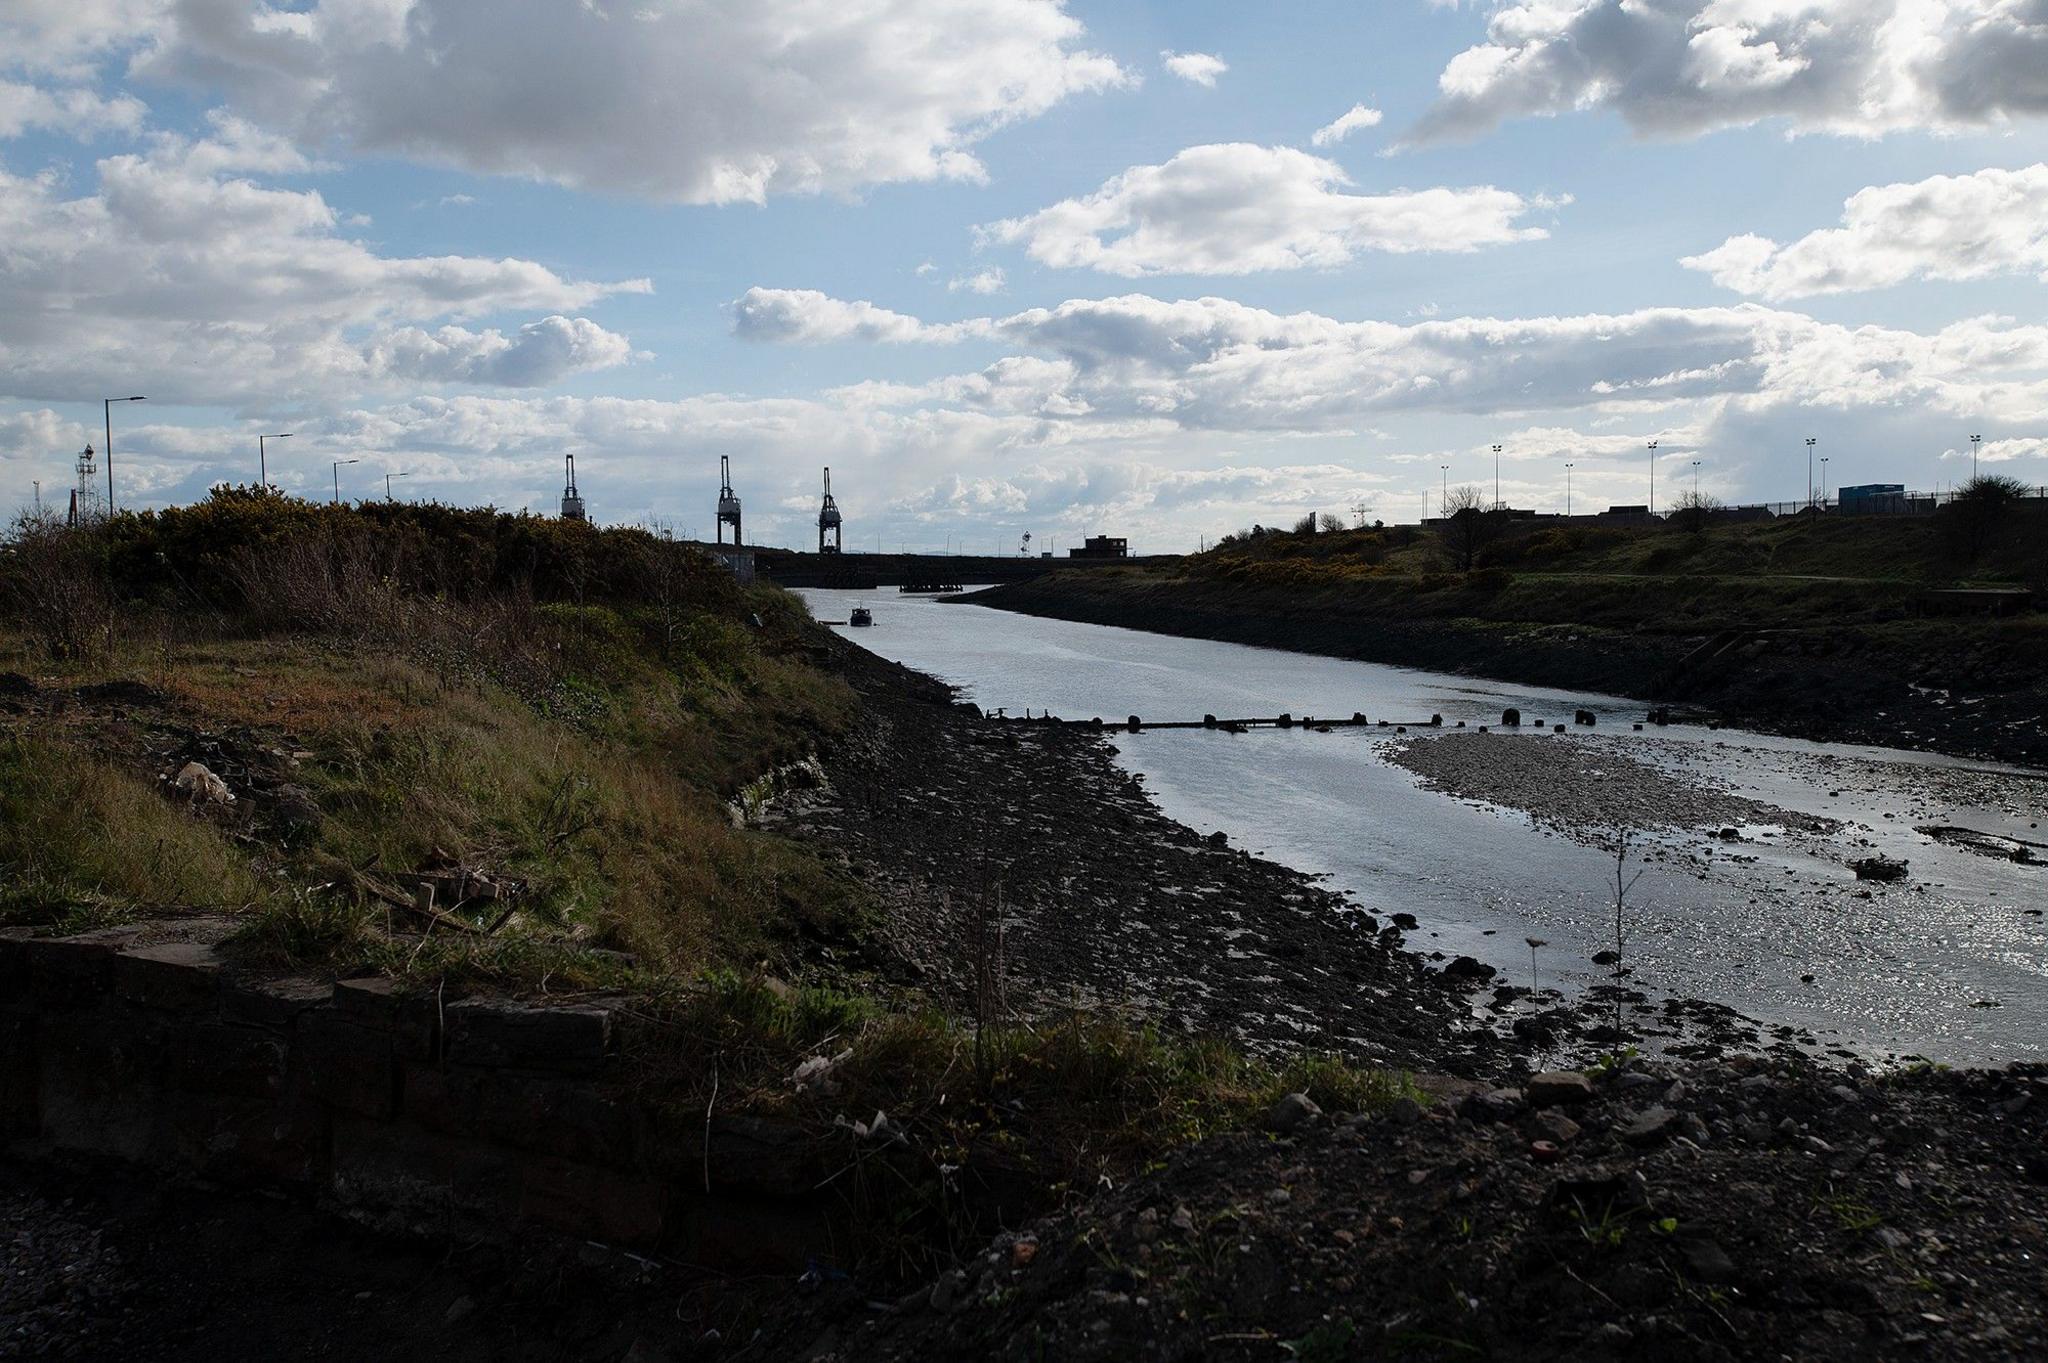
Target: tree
{"x": 1977, "y": 511}
{"x": 1695, "y": 510}
{"x": 1469, "y": 525}
{"x": 1330, "y": 523}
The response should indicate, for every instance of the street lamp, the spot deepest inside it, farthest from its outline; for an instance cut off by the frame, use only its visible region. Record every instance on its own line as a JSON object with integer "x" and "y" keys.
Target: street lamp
{"x": 1810, "y": 443}
{"x": 1496, "y": 477}
{"x": 387, "y": 483}
{"x": 108, "y": 405}
{"x": 1568, "y": 489}
{"x": 1823, "y": 480}
{"x": 1447, "y": 485}
{"x": 1975, "y": 441}
{"x": 263, "y": 464}
{"x": 1695, "y": 481}
{"x": 337, "y": 477}
{"x": 1653, "y": 477}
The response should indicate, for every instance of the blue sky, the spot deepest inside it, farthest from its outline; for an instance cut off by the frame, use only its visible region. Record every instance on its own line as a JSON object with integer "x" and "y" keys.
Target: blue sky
{"x": 1010, "y": 265}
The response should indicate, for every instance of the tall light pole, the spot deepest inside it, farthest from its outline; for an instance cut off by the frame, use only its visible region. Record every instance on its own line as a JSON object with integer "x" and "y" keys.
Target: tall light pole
{"x": 387, "y": 483}
{"x": 1568, "y": 489}
{"x": 1496, "y": 477}
{"x": 1810, "y": 443}
{"x": 1653, "y": 477}
{"x": 1823, "y": 480}
{"x": 337, "y": 477}
{"x": 1975, "y": 441}
{"x": 1695, "y": 481}
{"x": 1447, "y": 486}
{"x": 262, "y": 463}
{"x": 108, "y": 404}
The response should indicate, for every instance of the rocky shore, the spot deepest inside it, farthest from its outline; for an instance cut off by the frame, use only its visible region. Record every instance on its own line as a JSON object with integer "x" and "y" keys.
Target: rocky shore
{"x": 1694, "y": 1195}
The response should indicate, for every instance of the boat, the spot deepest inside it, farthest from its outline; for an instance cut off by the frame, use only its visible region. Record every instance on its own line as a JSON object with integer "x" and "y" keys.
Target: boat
{"x": 929, "y": 588}
{"x": 860, "y": 615}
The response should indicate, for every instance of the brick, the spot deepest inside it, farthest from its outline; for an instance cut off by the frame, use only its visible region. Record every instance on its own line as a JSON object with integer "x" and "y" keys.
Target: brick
{"x": 348, "y": 1066}
{"x": 563, "y": 1039}
{"x": 174, "y": 976}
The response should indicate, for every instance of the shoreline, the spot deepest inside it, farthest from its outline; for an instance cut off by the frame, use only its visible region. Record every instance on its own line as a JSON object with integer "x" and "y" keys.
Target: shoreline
{"x": 1829, "y": 685}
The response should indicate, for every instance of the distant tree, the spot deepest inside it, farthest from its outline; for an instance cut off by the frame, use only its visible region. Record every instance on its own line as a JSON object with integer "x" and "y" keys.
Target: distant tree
{"x": 1306, "y": 525}
{"x": 1977, "y": 511}
{"x": 1695, "y": 510}
{"x": 1330, "y": 523}
{"x": 1469, "y": 525}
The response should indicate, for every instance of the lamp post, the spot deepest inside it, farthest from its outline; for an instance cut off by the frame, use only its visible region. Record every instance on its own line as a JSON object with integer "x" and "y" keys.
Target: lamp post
{"x": 108, "y": 405}
{"x": 387, "y": 483}
{"x": 1695, "y": 481}
{"x": 337, "y": 478}
{"x": 1496, "y": 477}
{"x": 1447, "y": 485}
{"x": 1823, "y": 480}
{"x": 1653, "y": 477}
{"x": 1810, "y": 443}
{"x": 1975, "y": 441}
{"x": 262, "y": 463}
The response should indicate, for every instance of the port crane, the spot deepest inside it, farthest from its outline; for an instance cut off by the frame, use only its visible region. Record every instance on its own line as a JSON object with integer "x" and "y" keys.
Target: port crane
{"x": 828, "y": 519}
{"x": 728, "y": 502}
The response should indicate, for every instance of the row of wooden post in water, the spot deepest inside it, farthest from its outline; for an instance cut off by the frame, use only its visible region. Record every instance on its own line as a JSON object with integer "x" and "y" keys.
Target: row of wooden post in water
{"x": 1510, "y": 718}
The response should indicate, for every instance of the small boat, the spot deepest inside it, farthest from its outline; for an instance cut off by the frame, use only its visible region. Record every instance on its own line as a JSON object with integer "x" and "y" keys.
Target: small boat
{"x": 860, "y": 615}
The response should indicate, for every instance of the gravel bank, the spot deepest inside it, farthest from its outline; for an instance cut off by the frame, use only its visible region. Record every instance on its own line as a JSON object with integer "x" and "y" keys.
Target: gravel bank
{"x": 1583, "y": 785}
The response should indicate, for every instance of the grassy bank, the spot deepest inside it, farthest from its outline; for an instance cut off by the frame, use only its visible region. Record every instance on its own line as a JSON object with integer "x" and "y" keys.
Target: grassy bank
{"x": 1848, "y": 626}
{"x": 547, "y": 724}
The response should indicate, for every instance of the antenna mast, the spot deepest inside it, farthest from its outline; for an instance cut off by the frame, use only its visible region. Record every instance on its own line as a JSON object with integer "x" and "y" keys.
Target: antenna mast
{"x": 572, "y": 501}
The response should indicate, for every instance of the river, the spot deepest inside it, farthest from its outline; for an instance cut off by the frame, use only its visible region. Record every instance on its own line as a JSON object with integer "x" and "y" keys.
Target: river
{"x": 1950, "y": 964}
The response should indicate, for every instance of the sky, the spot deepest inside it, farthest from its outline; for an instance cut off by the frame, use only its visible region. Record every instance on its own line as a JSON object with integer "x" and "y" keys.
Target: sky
{"x": 1159, "y": 270}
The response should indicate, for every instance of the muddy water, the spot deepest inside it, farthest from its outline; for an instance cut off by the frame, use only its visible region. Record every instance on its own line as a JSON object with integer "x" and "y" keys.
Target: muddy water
{"x": 1950, "y": 963}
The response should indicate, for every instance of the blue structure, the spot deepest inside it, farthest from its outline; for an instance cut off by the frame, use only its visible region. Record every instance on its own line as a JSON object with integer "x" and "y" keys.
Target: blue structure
{"x": 1869, "y": 499}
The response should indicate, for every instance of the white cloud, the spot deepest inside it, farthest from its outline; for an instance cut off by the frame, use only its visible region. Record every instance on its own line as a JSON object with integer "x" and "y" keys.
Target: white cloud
{"x": 1239, "y": 208}
{"x": 1198, "y": 68}
{"x": 701, "y": 103}
{"x": 986, "y": 281}
{"x": 1994, "y": 222}
{"x": 1350, "y": 121}
{"x": 1679, "y": 68}
{"x": 195, "y": 283}
{"x": 1217, "y": 365}
{"x": 808, "y": 317}
{"x": 73, "y": 110}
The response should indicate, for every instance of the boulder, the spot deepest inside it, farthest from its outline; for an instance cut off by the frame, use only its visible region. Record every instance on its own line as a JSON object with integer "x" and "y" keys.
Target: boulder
{"x": 1559, "y": 1088}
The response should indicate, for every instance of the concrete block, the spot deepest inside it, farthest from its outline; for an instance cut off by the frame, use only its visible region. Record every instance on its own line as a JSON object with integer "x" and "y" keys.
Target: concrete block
{"x": 175, "y": 976}
{"x": 74, "y": 972}
{"x": 349, "y": 1067}
{"x": 97, "y": 1078}
{"x": 274, "y": 1004}
{"x": 413, "y": 1020}
{"x": 562, "y": 1039}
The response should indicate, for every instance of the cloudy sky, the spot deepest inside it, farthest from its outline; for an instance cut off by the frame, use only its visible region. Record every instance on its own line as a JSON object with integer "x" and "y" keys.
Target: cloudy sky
{"x": 1155, "y": 269}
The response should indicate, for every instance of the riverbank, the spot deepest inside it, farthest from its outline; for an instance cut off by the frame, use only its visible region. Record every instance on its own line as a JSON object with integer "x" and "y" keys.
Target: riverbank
{"x": 1968, "y": 687}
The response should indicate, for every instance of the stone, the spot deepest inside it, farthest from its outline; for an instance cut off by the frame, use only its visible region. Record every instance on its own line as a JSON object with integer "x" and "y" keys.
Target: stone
{"x": 1292, "y": 1112}
{"x": 1559, "y": 1088}
{"x": 949, "y": 1291}
{"x": 411, "y": 1020}
{"x": 68, "y": 972}
{"x": 1693, "y": 1129}
{"x": 271, "y": 1003}
{"x": 1404, "y": 1111}
{"x": 1466, "y": 970}
{"x": 1492, "y": 1105}
{"x": 1649, "y": 1126}
{"x": 1705, "y": 1260}
{"x": 1555, "y": 1127}
{"x": 1404, "y": 921}
{"x": 349, "y": 1066}
{"x": 457, "y": 1309}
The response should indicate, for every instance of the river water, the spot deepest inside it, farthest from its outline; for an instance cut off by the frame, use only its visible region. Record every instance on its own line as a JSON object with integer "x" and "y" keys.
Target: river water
{"x": 1950, "y": 964}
